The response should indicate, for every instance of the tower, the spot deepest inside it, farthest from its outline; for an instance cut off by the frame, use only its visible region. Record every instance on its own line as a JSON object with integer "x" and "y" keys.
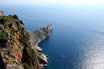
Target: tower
{"x": 1, "y": 13}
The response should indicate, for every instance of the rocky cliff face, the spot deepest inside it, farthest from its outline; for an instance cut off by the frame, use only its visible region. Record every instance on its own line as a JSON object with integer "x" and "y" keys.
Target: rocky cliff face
{"x": 40, "y": 34}
{"x": 19, "y": 47}
{"x": 36, "y": 37}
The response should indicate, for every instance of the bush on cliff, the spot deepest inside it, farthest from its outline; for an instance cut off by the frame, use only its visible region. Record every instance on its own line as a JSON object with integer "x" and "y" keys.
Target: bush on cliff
{"x": 21, "y": 22}
{"x": 24, "y": 37}
{"x": 2, "y": 20}
{"x": 30, "y": 57}
{"x": 3, "y": 35}
{"x": 26, "y": 66}
{"x": 16, "y": 17}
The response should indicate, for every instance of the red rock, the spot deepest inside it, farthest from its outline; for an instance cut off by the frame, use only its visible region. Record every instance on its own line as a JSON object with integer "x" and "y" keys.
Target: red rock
{"x": 36, "y": 66}
{"x": 8, "y": 46}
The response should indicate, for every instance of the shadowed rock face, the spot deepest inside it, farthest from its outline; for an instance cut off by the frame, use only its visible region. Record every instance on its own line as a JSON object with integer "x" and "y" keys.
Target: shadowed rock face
{"x": 2, "y": 65}
{"x": 18, "y": 46}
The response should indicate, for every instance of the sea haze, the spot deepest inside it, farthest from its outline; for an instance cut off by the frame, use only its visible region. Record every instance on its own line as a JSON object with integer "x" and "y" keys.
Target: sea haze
{"x": 77, "y": 40}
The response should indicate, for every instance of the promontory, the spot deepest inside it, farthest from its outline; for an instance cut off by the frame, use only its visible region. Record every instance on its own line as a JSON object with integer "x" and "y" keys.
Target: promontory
{"x": 18, "y": 47}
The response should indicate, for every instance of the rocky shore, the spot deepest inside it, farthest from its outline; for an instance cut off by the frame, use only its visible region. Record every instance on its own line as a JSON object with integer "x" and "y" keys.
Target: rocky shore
{"x": 37, "y": 36}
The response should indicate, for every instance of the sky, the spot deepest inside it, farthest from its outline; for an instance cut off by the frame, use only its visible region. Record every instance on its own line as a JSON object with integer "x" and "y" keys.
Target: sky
{"x": 32, "y": 2}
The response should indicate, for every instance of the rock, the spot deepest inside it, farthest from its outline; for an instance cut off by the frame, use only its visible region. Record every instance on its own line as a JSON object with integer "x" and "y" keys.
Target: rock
{"x": 38, "y": 48}
{"x": 50, "y": 27}
{"x": 42, "y": 66}
{"x": 38, "y": 35}
{"x": 45, "y": 65}
{"x": 13, "y": 66}
{"x": 43, "y": 58}
{"x": 1, "y": 26}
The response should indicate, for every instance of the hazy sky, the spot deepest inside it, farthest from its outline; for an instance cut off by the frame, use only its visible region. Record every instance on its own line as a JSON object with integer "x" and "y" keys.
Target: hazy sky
{"x": 26, "y": 2}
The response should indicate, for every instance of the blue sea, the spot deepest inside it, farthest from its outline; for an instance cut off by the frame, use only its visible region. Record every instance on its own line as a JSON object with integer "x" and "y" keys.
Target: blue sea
{"x": 77, "y": 40}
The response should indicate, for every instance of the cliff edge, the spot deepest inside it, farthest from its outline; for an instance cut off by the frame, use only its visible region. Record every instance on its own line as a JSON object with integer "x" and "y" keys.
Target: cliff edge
{"x": 18, "y": 47}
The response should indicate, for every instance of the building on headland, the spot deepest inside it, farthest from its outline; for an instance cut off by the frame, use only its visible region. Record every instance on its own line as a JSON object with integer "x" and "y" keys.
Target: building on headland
{"x": 1, "y": 13}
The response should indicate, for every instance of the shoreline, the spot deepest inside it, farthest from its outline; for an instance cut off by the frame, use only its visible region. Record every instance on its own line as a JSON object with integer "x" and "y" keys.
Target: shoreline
{"x": 42, "y": 57}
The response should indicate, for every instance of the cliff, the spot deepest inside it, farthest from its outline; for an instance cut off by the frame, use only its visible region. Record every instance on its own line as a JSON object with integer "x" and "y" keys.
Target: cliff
{"x": 40, "y": 34}
{"x": 36, "y": 37}
{"x": 19, "y": 47}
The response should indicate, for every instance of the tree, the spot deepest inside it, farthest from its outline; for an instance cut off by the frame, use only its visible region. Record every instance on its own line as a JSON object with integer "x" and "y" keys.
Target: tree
{"x": 16, "y": 17}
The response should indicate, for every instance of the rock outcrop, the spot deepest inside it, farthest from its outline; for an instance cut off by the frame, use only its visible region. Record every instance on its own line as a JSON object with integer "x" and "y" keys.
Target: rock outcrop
{"x": 37, "y": 36}
{"x": 18, "y": 47}
{"x": 43, "y": 59}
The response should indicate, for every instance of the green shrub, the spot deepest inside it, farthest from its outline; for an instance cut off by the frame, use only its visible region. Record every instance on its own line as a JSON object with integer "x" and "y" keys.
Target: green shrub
{"x": 24, "y": 37}
{"x": 10, "y": 15}
{"x": 6, "y": 63}
{"x": 2, "y": 21}
{"x": 21, "y": 22}
{"x": 3, "y": 35}
{"x": 9, "y": 52}
{"x": 16, "y": 17}
{"x": 26, "y": 66}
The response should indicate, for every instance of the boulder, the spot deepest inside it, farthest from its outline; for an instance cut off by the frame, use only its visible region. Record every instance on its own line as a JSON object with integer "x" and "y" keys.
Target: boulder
{"x": 38, "y": 48}
{"x": 43, "y": 58}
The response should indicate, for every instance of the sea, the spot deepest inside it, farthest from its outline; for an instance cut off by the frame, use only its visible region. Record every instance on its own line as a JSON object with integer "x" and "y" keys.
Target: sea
{"x": 77, "y": 39}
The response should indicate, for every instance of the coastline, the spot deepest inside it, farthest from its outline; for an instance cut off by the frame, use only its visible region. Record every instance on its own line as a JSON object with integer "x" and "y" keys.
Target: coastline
{"x": 42, "y": 57}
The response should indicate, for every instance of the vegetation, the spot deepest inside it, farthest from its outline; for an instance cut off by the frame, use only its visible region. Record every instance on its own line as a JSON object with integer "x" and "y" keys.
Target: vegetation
{"x": 24, "y": 36}
{"x": 3, "y": 35}
{"x": 21, "y": 22}
{"x": 3, "y": 20}
{"x": 30, "y": 57}
{"x": 12, "y": 26}
{"x": 26, "y": 66}
{"x": 16, "y": 17}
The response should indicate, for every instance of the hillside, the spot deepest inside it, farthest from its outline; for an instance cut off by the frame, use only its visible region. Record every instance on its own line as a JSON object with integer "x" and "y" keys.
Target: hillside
{"x": 19, "y": 47}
